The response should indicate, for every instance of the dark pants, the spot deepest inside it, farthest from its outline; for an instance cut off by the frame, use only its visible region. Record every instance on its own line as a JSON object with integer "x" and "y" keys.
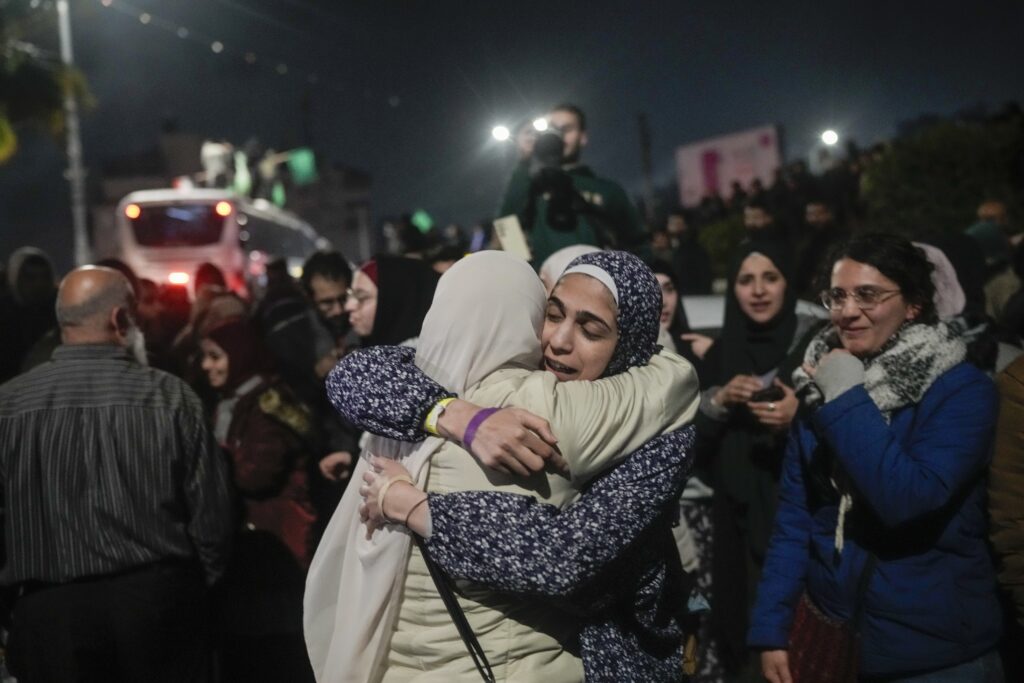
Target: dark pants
{"x": 146, "y": 625}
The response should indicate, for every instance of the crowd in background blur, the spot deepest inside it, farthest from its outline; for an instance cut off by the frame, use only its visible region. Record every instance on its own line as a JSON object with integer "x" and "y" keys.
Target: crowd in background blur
{"x": 258, "y": 364}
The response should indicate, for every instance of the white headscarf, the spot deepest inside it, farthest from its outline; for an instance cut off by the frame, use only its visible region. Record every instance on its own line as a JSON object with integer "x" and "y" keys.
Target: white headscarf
{"x": 553, "y": 267}
{"x": 487, "y": 314}
{"x": 949, "y": 295}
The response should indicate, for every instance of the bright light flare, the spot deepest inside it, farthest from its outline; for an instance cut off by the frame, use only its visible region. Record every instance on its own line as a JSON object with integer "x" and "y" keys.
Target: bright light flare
{"x": 178, "y": 278}
{"x": 540, "y": 125}
{"x": 830, "y": 137}
{"x": 501, "y": 133}
{"x": 133, "y": 211}
{"x": 222, "y": 209}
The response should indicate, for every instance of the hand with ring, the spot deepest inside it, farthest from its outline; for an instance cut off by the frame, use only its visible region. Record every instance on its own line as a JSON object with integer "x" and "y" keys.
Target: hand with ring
{"x": 776, "y": 415}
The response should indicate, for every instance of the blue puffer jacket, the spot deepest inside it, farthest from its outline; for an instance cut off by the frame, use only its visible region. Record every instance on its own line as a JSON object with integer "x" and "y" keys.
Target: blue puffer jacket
{"x": 918, "y": 491}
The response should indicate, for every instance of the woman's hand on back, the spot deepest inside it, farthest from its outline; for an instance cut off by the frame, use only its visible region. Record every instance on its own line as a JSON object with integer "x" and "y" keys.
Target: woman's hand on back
{"x": 777, "y": 415}
{"x": 739, "y": 390}
{"x": 398, "y": 499}
{"x": 515, "y": 441}
{"x": 512, "y": 440}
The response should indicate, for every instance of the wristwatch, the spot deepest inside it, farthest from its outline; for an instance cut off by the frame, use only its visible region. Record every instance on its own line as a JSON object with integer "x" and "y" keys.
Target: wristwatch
{"x": 430, "y": 422}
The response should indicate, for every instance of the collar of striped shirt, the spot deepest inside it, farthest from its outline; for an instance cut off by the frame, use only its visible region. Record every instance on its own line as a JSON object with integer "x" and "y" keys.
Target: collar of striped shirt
{"x": 89, "y": 351}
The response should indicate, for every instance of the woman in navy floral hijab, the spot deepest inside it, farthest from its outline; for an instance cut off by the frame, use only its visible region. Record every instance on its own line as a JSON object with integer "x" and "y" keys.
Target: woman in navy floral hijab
{"x": 638, "y": 304}
{"x": 611, "y": 554}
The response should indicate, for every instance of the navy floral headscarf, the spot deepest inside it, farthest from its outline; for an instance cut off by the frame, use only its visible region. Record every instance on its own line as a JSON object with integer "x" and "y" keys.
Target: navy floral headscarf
{"x": 639, "y": 307}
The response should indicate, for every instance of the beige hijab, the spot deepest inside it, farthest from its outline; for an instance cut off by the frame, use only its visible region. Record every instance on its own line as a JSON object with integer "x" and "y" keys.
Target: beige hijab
{"x": 487, "y": 314}
{"x": 553, "y": 267}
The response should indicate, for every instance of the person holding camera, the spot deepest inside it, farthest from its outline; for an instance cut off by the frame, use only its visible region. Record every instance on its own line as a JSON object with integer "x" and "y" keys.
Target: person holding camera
{"x": 560, "y": 202}
{"x": 745, "y": 414}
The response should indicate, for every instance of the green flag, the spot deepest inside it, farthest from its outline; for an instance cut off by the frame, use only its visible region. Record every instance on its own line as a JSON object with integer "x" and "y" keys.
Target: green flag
{"x": 243, "y": 179}
{"x": 422, "y": 220}
{"x": 277, "y": 193}
{"x": 302, "y": 166}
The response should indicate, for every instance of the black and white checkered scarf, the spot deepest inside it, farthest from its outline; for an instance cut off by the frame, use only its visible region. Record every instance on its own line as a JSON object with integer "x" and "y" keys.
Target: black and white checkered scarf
{"x": 896, "y": 377}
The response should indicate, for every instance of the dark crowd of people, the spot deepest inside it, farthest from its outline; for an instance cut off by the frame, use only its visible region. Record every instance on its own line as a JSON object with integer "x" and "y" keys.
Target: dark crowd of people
{"x": 553, "y": 476}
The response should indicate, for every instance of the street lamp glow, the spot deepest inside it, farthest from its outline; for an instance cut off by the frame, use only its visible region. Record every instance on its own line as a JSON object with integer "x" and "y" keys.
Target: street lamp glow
{"x": 501, "y": 133}
{"x": 830, "y": 137}
{"x": 540, "y": 125}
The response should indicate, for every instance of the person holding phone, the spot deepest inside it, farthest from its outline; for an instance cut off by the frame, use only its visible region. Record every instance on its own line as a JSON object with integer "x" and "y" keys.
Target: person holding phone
{"x": 879, "y": 567}
{"x": 745, "y": 414}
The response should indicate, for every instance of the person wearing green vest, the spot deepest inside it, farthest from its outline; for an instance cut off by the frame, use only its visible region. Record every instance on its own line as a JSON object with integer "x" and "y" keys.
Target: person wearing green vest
{"x": 561, "y": 202}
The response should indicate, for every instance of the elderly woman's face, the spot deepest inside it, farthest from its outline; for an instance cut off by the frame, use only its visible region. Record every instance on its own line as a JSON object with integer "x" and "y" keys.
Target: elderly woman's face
{"x": 864, "y": 332}
{"x": 760, "y": 288}
{"x": 580, "y": 329}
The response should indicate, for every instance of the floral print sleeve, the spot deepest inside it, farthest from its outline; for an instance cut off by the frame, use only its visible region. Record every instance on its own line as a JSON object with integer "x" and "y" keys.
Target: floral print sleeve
{"x": 380, "y": 389}
{"x": 513, "y": 543}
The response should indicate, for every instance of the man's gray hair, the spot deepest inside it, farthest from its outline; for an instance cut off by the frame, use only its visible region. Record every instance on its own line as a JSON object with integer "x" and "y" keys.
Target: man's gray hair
{"x": 117, "y": 293}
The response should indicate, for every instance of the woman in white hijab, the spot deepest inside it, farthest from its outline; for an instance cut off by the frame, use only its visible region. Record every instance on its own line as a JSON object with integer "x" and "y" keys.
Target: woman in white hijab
{"x": 481, "y": 341}
{"x": 555, "y": 265}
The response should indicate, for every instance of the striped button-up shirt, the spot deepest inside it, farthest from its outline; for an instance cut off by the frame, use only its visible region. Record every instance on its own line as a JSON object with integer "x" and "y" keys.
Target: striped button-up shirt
{"x": 107, "y": 465}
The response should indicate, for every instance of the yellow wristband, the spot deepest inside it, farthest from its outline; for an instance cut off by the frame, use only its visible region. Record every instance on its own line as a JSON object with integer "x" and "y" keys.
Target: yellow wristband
{"x": 430, "y": 422}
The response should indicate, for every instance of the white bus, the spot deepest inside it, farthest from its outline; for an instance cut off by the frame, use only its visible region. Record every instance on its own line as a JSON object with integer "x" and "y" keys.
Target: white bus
{"x": 164, "y": 235}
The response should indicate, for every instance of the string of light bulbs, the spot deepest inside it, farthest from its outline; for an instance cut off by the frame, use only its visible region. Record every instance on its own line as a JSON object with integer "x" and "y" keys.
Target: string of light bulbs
{"x": 216, "y": 46}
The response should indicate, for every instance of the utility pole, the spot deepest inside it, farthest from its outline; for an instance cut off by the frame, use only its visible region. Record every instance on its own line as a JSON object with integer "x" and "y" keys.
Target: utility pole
{"x": 75, "y": 172}
{"x": 646, "y": 167}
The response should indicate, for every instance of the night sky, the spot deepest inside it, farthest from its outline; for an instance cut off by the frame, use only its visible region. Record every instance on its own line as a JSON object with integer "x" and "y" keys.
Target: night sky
{"x": 409, "y": 90}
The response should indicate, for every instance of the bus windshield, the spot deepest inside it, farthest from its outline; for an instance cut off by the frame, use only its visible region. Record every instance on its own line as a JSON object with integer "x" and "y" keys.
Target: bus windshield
{"x": 178, "y": 225}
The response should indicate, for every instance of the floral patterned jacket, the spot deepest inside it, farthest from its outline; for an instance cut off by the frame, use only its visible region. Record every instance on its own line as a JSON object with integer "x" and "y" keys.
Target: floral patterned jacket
{"x": 610, "y": 556}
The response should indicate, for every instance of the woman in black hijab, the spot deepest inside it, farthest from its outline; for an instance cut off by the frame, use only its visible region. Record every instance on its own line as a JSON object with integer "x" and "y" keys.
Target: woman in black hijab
{"x": 747, "y": 408}
{"x": 673, "y": 324}
{"x": 389, "y": 298}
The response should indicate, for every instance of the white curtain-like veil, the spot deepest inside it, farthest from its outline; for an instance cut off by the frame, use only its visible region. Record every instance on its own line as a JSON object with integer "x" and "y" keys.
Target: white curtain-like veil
{"x": 486, "y": 314}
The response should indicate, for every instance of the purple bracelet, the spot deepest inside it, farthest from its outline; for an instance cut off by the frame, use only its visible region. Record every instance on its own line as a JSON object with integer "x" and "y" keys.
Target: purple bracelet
{"x": 474, "y": 424}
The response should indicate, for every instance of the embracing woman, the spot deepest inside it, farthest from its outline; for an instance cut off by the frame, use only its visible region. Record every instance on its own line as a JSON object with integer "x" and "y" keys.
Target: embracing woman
{"x": 480, "y": 340}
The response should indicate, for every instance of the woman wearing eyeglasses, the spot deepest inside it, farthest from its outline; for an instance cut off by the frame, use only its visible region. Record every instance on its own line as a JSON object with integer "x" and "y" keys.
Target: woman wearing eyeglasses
{"x": 880, "y": 529}
{"x": 745, "y": 413}
{"x": 385, "y": 305}
{"x": 389, "y": 298}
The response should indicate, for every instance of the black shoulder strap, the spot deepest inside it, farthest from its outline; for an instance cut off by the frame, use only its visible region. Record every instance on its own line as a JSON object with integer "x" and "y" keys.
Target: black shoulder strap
{"x": 451, "y": 603}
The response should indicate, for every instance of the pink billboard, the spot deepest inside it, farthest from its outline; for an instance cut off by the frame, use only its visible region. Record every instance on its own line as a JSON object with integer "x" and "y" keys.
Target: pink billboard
{"x": 713, "y": 164}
